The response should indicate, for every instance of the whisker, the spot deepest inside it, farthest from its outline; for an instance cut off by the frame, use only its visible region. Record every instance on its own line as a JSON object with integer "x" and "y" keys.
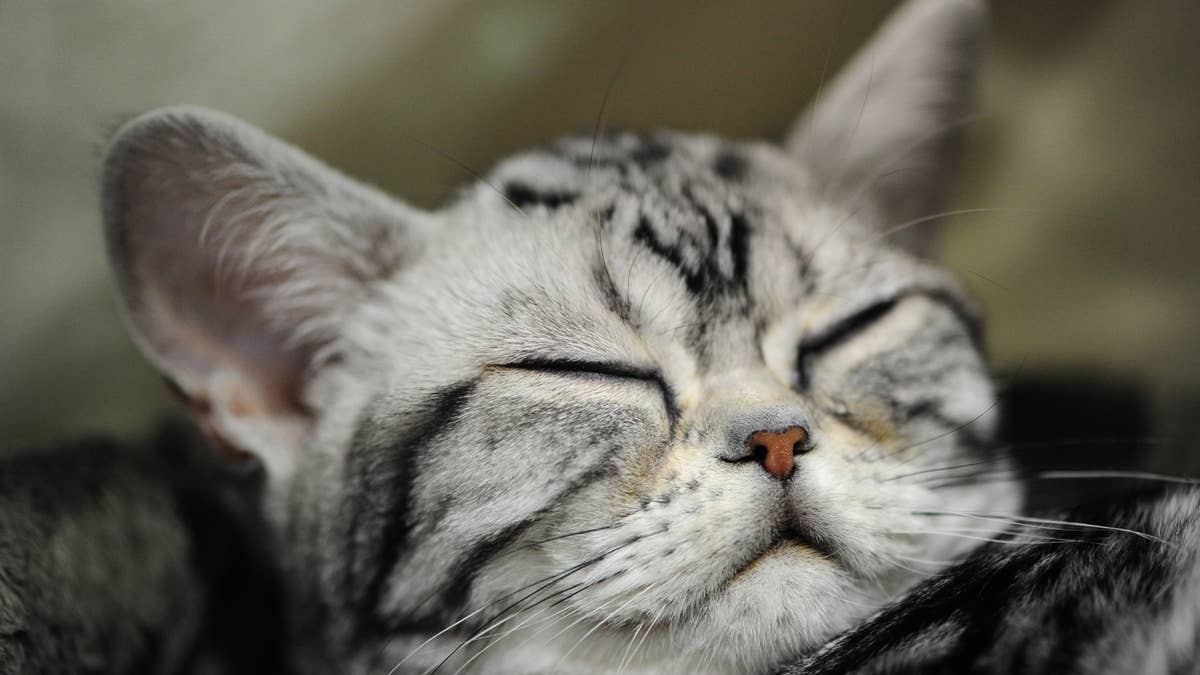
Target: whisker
{"x": 1007, "y": 452}
{"x": 576, "y": 622}
{"x": 552, "y": 580}
{"x": 888, "y": 167}
{"x": 945, "y": 434}
{"x": 807, "y": 131}
{"x": 553, "y": 618}
{"x": 603, "y": 621}
{"x": 557, "y": 537}
{"x": 468, "y": 617}
{"x": 925, "y": 561}
{"x": 993, "y": 540}
{"x": 632, "y": 640}
{"x": 1041, "y": 523}
{"x": 565, "y": 610}
{"x": 905, "y": 448}
{"x": 602, "y": 116}
{"x": 992, "y": 281}
{"x": 894, "y": 229}
{"x": 646, "y": 291}
{"x": 471, "y": 172}
{"x": 920, "y": 573}
{"x": 1016, "y": 476}
{"x": 653, "y": 622}
{"x": 845, "y": 164}
{"x": 1133, "y": 475}
{"x": 518, "y": 627}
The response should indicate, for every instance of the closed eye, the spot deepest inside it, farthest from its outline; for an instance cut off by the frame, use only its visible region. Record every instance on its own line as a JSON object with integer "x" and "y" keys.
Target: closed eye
{"x": 605, "y": 369}
{"x": 856, "y": 323}
{"x": 837, "y": 334}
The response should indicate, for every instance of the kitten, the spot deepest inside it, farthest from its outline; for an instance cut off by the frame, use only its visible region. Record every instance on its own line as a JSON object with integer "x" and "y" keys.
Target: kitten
{"x": 652, "y": 394}
{"x": 640, "y": 403}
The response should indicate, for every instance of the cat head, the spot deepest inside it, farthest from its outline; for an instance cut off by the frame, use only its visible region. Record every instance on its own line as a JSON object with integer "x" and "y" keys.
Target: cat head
{"x": 659, "y": 385}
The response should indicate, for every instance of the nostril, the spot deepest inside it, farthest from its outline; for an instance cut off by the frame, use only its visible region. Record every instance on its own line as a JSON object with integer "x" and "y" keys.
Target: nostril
{"x": 775, "y": 450}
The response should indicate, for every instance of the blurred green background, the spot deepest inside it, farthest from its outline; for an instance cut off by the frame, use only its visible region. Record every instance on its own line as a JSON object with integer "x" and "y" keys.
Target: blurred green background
{"x": 1088, "y": 147}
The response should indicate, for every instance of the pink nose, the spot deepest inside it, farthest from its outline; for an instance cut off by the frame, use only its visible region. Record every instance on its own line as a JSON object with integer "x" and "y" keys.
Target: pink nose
{"x": 776, "y": 450}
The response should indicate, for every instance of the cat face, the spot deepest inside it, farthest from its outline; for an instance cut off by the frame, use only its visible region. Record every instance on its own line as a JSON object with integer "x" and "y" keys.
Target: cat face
{"x": 660, "y": 390}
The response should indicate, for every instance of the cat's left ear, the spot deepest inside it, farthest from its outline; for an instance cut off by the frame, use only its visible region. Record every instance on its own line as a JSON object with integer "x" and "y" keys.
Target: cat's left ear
{"x": 887, "y": 130}
{"x": 241, "y": 262}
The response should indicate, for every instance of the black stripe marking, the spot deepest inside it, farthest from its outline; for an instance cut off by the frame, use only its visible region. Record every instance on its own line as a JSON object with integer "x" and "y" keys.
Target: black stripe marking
{"x": 613, "y": 299}
{"x": 644, "y": 234}
{"x": 386, "y": 475}
{"x": 651, "y": 151}
{"x": 739, "y": 246}
{"x": 457, "y": 589}
{"x": 523, "y": 195}
{"x": 606, "y": 369}
{"x": 730, "y": 165}
{"x": 843, "y": 330}
{"x": 710, "y": 223}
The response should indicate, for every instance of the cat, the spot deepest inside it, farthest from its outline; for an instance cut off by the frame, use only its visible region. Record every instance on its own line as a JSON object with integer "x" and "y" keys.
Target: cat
{"x": 643, "y": 403}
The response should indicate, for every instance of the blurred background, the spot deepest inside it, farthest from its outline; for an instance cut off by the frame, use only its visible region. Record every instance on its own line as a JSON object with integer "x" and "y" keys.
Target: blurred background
{"x": 1088, "y": 147}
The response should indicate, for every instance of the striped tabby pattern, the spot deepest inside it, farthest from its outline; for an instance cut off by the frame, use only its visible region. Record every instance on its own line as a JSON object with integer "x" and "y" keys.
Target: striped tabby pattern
{"x": 653, "y": 402}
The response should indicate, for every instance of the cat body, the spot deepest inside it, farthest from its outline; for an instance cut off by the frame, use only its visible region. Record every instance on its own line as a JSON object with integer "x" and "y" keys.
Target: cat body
{"x": 1123, "y": 597}
{"x": 117, "y": 558}
{"x": 632, "y": 402}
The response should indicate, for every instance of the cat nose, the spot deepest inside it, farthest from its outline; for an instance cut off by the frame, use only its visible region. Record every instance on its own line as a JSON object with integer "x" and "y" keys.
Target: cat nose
{"x": 776, "y": 451}
{"x": 770, "y": 436}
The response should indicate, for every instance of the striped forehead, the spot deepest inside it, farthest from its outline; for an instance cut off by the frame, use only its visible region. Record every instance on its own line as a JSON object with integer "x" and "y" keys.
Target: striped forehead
{"x": 687, "y": 240}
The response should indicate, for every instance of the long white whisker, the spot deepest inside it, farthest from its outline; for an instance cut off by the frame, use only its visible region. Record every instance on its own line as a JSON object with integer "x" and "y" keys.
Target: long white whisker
{"x": 655, "y": 620}
{"x": 1008, "y": 542}
{"x": 603, "y": 621}
{"x": 516, "y": 628}
{"x": 938, "y": 216}
{"x": 1039, "y": 523}
{"x": 553, "y": 579}
{"x": 1136, "y": 475}
{"x": 632, "y": 640}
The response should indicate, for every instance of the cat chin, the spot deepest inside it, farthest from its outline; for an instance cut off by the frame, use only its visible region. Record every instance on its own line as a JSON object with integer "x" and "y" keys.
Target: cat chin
{"x": 785, "y": 603}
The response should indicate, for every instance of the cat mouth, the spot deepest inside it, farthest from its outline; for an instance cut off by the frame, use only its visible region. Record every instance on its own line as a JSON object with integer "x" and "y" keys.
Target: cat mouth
{"x": 793, "y": 535}
{"x": 799, "y": 534}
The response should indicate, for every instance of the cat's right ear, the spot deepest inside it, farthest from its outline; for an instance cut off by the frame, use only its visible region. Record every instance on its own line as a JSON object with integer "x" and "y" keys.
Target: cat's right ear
{"x": 238, "y": 261}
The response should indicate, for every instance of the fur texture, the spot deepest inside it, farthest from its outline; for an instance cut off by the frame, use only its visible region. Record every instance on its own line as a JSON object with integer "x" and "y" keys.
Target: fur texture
{"x": 516, "y": 435}
{"x": 1123, "y": 597}
{"x": 123, "y": 559}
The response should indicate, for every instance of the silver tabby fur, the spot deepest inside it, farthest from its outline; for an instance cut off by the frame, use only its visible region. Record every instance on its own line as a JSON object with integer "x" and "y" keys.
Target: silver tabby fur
{"x": 522, "y": 418}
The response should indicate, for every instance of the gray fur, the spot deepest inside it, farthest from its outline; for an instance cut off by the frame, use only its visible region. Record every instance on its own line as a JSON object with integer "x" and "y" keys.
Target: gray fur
{"x": 512, "y": 435}
{"x": 1094, "y": 601}
{"x": 556, "y": 375}
{"x": 127, "y": 559}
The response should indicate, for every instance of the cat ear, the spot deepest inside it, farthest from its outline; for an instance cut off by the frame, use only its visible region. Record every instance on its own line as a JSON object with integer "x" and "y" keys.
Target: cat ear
{"x": 238, "y": 259}
{"x": 889, "y": 127}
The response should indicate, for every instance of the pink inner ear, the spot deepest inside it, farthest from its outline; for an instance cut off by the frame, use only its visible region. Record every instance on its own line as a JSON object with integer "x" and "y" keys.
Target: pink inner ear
{"x": 200, "y": 303}
{"x": 203, "y": 334}
{"x": 238, "y": 258}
